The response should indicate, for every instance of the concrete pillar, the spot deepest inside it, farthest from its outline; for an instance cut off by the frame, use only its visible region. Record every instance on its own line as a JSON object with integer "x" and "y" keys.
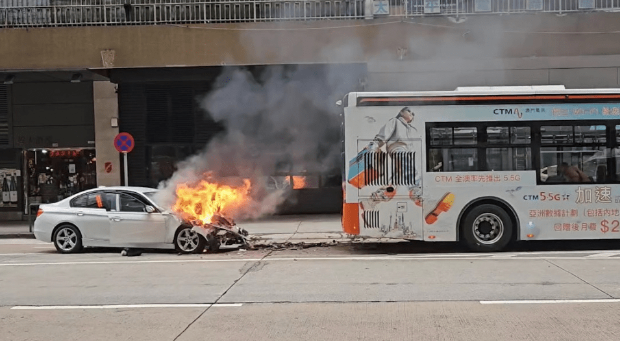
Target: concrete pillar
{"x": 106, "y": 111}
{"x": 368, "y": 10}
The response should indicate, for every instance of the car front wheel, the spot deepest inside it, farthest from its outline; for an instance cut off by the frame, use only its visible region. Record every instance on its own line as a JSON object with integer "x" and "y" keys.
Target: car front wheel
{"x": 189, "y": 241}
{"x": 68, "y": 239}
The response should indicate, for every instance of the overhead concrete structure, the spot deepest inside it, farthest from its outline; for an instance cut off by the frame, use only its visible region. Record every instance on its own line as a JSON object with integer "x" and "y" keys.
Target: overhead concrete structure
{"x": 351, "y": 41}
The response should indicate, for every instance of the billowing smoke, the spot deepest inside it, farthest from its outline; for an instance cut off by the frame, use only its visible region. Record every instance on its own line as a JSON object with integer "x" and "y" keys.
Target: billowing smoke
{"x": 279, "y": 121}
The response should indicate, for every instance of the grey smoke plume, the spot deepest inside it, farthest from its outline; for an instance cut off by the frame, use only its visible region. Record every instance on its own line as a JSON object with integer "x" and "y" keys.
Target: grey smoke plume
{"x": 281, "y": 121}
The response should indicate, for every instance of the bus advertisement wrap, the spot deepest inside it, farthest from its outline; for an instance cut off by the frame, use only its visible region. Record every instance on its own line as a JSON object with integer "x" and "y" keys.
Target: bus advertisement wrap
{"x": 485, "y": 174}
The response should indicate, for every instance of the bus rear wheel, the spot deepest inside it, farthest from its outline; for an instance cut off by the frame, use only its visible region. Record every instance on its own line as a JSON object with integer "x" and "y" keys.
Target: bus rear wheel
{"x": 487, "y": 228}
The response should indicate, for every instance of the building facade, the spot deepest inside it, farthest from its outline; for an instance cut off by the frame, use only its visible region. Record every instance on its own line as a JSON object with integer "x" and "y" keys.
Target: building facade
{"x": 47, "y": 140}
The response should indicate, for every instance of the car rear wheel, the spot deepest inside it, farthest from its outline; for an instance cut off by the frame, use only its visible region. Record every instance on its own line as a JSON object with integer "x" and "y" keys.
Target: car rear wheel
{"x": 189, "y": 241}
{"x": 487, "y": 228}
{"x": 68, "y": 239}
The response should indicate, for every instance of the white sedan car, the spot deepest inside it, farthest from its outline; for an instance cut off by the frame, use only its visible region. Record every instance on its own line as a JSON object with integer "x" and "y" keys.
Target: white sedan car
{"x": 114, "y": 217}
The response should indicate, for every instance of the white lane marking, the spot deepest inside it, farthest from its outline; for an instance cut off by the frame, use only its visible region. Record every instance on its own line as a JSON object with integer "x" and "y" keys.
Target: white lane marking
{"x": 124, "y": 306}
{"x": 244, "y": 260}
{"x": 609, "y": 300}
{"x": 603, "y": 255}
{"x": 137, "y": 262}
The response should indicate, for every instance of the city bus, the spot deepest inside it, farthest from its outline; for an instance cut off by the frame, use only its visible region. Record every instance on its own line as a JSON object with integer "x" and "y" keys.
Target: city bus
{"x": 482, "y": 165}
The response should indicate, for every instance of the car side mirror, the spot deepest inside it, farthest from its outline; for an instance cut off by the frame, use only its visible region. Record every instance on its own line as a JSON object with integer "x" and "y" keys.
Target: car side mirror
{"x": 150, "y": 209}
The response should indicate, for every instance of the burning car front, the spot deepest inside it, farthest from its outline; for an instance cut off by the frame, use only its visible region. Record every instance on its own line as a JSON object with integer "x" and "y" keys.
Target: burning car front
{"x": 220, "y": 231}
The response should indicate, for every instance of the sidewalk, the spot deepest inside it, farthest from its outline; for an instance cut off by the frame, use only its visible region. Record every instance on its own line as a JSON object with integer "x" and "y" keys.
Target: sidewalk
{"x": 14, "y": 229}
{"x": 308, "y": 229}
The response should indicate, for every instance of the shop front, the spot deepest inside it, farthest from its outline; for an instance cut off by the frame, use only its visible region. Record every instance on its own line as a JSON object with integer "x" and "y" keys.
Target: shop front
{"x": 57, "y": 173}
{"x": 49, "y": 150}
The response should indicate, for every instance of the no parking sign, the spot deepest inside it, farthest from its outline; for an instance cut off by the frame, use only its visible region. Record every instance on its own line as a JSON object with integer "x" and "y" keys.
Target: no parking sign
{"x": 124, "y": 143}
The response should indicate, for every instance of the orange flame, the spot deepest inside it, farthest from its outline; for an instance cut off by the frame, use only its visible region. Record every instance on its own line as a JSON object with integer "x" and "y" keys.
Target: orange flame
{"x": 205, "y": 199}
{"x": 299, "y": 182}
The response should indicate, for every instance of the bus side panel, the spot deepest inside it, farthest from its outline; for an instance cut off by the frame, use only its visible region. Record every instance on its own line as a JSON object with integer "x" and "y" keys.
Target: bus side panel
{"x": 351, "y": 218}
{"x": 447, "y": 195}
{"x": 383, "y": 163}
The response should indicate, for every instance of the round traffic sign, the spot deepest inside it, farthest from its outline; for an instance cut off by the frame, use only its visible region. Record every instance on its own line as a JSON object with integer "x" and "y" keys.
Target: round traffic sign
{"x": 124, "y": 142}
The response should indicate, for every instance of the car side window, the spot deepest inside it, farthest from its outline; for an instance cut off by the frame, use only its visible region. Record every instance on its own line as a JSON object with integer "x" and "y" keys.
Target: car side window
{"x": 109, "y": 201}
{"x": 131, "y": 204}
{"x": 103, "y": 200}
{"x": 80, "y": 201}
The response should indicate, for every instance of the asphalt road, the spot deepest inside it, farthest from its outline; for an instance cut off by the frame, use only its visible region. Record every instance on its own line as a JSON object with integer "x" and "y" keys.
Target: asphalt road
{"x": 352, "y": 292}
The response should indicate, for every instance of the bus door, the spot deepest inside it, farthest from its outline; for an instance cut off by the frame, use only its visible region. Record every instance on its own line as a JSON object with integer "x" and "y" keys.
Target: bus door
{"x": 389, "y": 188}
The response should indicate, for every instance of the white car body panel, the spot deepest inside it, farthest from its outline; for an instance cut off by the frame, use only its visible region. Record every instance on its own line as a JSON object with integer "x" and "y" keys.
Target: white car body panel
{"x": 102, "y": 228}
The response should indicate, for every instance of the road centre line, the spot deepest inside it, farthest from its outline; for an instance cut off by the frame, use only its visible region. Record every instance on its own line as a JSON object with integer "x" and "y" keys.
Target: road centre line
{"x": 244, "y": 260}
{"x": 124, "y": 306}
{"x": 609, "y": 300}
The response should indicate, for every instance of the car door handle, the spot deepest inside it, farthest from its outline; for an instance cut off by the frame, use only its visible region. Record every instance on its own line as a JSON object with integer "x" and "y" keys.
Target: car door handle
{"x": 80, "y": 213}
{"x": 116, "y": 218}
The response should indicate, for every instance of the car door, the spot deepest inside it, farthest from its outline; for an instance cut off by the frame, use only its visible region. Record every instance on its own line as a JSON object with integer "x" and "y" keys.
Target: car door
{"x": 132, "y": 224}
{"x": 90, "y": 215}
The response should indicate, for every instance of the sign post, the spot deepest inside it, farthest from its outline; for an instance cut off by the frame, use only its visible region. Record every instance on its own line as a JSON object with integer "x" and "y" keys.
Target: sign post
{"x": 124, "y": 143}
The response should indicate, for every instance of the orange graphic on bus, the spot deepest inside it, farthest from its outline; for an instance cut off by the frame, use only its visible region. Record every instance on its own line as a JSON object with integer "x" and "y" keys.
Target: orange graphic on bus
{"x": 443, "y": 206}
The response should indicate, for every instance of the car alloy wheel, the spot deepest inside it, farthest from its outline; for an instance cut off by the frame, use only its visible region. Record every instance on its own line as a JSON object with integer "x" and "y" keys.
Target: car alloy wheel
{"x": 189, "y": 241}
{"x": 68, "y": 239}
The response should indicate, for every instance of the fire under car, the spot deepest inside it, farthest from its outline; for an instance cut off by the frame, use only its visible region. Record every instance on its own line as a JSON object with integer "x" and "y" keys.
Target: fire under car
{"x": 127, "y": 217}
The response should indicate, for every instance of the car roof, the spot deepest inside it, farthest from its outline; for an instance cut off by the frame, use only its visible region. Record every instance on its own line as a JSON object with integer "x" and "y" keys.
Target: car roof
{"x": 126, "y": 188}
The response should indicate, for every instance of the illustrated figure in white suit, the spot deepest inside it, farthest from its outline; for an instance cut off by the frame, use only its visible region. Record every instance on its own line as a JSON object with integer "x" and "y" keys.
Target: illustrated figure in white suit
{"x": 396, "y": 135}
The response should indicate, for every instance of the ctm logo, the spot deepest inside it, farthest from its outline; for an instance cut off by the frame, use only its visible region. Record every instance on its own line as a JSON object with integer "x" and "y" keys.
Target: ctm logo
{"x": 514, "y": 111}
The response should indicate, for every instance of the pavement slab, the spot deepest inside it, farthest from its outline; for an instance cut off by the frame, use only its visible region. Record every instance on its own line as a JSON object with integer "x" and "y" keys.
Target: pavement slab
{"x": 409, "y": 321}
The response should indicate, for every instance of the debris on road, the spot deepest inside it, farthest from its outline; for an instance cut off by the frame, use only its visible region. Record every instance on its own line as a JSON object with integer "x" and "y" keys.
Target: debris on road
{"x": 127, "y": 252}
{"x": 221, "y": 231}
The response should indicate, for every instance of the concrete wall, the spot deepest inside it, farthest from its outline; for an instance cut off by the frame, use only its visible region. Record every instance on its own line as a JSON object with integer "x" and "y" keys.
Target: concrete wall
{"x": 572, "y": 72}
{"x": 106, "y": 108}
{"x": 347, "y": 41}
{"x": 52, "y": 115}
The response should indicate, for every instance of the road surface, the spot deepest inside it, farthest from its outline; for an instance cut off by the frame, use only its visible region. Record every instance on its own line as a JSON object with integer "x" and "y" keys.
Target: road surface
{"x": 351, "y": 292}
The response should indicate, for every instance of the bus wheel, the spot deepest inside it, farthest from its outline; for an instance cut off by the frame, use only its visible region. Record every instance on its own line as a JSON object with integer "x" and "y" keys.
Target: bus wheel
{"x": 487, "y": 228}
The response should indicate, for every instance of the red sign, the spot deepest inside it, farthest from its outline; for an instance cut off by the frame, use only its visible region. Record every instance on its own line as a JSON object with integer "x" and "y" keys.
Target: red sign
{"x": 65, "y": 153}
{"x": 124, "y": 143}
{"x": 108, "y": 167}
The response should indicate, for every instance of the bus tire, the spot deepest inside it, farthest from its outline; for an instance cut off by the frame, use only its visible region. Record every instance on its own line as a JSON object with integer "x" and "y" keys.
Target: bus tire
{"x": 487, "y": 228}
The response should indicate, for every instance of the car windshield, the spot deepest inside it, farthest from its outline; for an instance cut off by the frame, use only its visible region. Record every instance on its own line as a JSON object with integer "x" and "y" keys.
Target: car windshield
{"x": 153, "y": 197}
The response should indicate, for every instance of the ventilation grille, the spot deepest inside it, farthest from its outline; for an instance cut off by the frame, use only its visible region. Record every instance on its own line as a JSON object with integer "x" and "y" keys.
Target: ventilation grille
{"x": 4, "y": 116}
{"x": 371, "y": 219}
{"x": 384, "y": 169}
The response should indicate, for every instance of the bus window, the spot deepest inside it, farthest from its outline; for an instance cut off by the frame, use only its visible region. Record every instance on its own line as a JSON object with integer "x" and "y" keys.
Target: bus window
{"x": 498, "y": 135}
{"x": 441, "y": 136}
{"x": 509, "y": 159}
{"x": 590, "y": 134}
{"x": 465, "y": 136}
{"x": 574, "y": 164}
{"x": 453, "y": 160}
{"x": 509, "y": 135}
{"x": 520, "y": 135}
{"x": 578, "y": 154}
{"x": 556, "y": 135}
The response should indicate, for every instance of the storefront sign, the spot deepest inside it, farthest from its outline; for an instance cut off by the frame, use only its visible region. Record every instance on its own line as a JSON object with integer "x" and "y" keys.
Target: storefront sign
{"x": 65, "y": 153}
{"x": 33, "y": 141}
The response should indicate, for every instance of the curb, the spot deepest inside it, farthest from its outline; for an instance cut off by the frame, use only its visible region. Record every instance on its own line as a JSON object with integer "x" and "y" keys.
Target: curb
{"x": 17, "y": 236}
